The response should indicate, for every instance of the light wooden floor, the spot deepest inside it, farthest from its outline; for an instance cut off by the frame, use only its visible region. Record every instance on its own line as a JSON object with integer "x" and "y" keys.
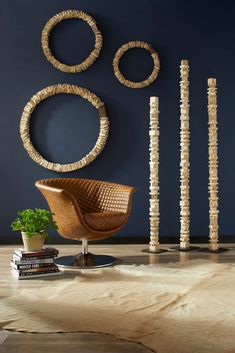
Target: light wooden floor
{"x": 91, "y": 342}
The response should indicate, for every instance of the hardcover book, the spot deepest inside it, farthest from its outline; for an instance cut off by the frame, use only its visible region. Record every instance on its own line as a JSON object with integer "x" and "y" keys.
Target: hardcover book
{"x": 18, "y": 261}
{"x": 44, "y": 252}
{"x": 18, "y": 275}
{"x": 46, "y": 256}
{"x": 33, "y": 271}
{"x": 30, "y": 265}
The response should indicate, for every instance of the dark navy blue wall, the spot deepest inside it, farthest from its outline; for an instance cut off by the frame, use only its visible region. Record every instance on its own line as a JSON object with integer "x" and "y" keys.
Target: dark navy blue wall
{"x": 65, "y": 128}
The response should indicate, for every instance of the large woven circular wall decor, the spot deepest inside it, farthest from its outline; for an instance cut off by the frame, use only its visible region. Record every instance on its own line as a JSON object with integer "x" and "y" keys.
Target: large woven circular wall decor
{"x": 53, "y": 21}
{"x": 51, "y": 91}
{"x": 122, "y": 50}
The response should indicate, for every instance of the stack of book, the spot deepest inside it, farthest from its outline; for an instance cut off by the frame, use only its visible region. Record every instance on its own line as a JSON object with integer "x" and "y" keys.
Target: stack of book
{"x": 27, "y": 265}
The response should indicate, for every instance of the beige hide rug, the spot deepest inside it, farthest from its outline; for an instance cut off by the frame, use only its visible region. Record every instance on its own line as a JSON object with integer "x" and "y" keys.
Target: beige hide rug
{"x": 171, "y": 308}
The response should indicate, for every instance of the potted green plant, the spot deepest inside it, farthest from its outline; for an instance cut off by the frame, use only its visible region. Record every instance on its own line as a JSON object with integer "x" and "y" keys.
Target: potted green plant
{"x": 33, "y": 225}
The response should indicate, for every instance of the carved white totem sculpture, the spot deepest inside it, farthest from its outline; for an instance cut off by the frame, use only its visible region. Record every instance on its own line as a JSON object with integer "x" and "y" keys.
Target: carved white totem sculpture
{"x": 154, "y": 177}
{"x": 213, "y": 165}
{"x": 184, "y": 156}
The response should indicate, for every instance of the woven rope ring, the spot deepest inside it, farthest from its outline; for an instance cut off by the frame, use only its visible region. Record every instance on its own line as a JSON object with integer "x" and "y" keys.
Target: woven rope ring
{"x": 51, "y": 91}
{"x": 122, "y": 50}
{"x": 53, "y": 21}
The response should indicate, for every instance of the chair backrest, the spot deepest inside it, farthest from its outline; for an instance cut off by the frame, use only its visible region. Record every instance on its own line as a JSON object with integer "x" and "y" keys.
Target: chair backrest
{"x": 94, "y": 195}
{"x": 70, "y": 198}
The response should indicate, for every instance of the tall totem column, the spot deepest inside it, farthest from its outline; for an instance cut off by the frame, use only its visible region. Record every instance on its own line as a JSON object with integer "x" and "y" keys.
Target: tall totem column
{"x": 154, "y": 174}
{"x": 184, "y": 160}
{"x": 184, "y": 156}
{"x": 154, "y": 177}
{"x": 213, "y": 165}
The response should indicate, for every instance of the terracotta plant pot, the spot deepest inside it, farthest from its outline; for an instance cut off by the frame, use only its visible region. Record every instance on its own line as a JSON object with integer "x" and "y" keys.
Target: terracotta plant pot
{"x": 34, "y": 243}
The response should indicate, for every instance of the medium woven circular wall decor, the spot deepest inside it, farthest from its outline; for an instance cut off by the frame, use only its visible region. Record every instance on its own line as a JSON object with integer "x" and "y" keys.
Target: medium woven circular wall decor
{"x": 122, "y": 50}
{"x": 53, "y": 21}
{"x": 68, "y": 89}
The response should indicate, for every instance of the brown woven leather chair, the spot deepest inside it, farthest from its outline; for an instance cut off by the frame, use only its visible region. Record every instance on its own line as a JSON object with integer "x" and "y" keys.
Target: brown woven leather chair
{"x": 86, "y": 210}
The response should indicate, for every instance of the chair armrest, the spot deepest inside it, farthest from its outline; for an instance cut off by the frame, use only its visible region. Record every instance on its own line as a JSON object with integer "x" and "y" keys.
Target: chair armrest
{"x": 63, "y": 204}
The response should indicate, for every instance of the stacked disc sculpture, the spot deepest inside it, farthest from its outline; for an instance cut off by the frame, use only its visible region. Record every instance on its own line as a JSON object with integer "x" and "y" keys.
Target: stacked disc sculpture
{"x": 184, "y": 156}
{"x": 185, "y": 168}
{"x": 184, "y": 160}
{"x": 213, "y": 165}
{"x": 154, "y": 177}
{"x": 213, "y": 169}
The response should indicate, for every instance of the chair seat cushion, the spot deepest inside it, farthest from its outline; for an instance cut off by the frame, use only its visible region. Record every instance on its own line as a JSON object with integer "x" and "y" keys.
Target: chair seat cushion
{"x": 105, "y": 220}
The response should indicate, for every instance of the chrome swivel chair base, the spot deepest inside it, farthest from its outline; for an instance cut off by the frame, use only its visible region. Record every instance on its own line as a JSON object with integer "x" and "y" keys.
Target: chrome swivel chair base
{"x": 98, "y": 261}
{"x": 85, "y": 259}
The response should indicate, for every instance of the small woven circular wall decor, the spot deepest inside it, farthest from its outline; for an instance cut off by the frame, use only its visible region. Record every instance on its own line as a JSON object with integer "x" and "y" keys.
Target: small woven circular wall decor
{"x": 51, "y": 91}
{"x": 64, "y": 15}
{"x": 122, "y": 50}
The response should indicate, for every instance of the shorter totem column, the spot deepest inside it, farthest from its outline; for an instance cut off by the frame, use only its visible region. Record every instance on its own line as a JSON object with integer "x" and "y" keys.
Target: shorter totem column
{"x": 154, "y": 177}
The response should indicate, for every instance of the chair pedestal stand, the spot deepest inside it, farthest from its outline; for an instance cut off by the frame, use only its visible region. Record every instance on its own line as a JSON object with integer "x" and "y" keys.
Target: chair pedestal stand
{"x": 85, "y": 260}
